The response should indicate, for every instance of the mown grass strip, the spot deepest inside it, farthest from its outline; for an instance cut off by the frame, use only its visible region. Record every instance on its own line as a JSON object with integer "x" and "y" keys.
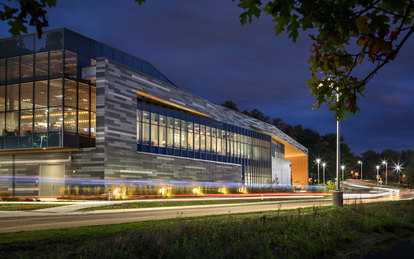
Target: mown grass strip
{"x": 305, "y": 233}
{"x": 19, "y": 207}
{"x": 156, "y": 204}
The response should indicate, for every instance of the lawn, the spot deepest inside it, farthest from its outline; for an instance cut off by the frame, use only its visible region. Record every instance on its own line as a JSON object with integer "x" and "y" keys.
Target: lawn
{"x": 154, "y": 204}
{"x": 15, "y": 207}
{"x": 303, "y": 233}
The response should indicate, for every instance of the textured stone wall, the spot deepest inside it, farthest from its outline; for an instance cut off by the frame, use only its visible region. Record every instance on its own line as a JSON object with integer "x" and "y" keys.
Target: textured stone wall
{"x": 117, "y": 87}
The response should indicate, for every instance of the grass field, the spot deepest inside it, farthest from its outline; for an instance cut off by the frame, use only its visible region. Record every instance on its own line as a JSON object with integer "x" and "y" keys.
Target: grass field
{"x": 302, "y": 233}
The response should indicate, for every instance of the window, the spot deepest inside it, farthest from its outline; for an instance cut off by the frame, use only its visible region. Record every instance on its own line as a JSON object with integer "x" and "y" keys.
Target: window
{"x": 145, "y": 134}
{"x": 163, "y": 136}
{"x": 55, "y": 65}
{"x": 83, "y": 96}
{"x": 40, "y": 94}
{"x": 55, "y": 92}
{"x": 27, "y": 66}
{"x": 12, "y": 102}
{"x": 41, "y": 67}
{"x": 70, "y": 124}
{"x": 139, "y": 125}
{"x": 70, "y": 93}
{"x": 2, "y": 98}
{"x": 26, "y": 128}
{"x": 26, "y": 96}
{"x": 40, "y": 128}
{"x": 190, "y": 136}
{"x": 93, "y": 124}
{"x": 196, "y": 137}
{"x": 154, "y": 135}
{"x": 2, "y": 70}
{"x": 13, "y": 68}
{"x": 71, "y": 61}
{"x": 93, "y": 98}
{"x": 83, "y": 122}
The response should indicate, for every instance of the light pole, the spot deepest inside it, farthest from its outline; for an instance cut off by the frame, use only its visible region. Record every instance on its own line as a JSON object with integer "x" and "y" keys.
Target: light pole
{"x": 323, "y": 167}
{"x": 377, "y": 174}
{"x": 384, "y": 162}
{"x": 360, "y": 162}
{"x": 342, "y": 167}
{"x": 398, "y": 169}
{"x": 338, "y": 195}
{"x": 318, "y": 161}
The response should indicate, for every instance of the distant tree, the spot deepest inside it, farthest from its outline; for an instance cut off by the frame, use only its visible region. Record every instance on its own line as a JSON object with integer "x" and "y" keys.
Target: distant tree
{"x": 409, "y": 172}
{"x": 246, "y": 112}
{"x": 230, "y": 105}
{"x": 370, "y": 159}
{"x": 279, "y": 123}
{"x": 255, "y": 113}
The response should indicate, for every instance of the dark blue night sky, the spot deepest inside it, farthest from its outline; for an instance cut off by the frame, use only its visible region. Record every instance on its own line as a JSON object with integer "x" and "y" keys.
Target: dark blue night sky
{"x": 202, "y": 48}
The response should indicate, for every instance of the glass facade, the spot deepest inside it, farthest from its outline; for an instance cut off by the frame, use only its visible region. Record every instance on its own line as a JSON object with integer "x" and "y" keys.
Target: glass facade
{"x": 165, "y": 129}
{"x": 43, "y": 101}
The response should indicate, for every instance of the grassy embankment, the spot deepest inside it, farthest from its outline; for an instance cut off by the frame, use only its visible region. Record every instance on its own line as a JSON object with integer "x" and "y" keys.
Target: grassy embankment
{"x": 304, "y": 233}
{"x": 15, "y": 207}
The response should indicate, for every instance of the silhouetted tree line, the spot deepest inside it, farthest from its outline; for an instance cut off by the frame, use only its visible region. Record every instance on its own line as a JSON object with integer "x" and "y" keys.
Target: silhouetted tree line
{"x": 324, "y": 147}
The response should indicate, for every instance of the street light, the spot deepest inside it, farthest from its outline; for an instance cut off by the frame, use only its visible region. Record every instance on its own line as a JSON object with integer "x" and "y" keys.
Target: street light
{"x": 384, "y": 162}
{"x": 318, "y": 161}
{"x": 342, "y": 167}
{"x": 398, "y": 169}
{"x": 360, "y": 162}
{"x": 377, "y": 174}
{"x": 323, "y": 167}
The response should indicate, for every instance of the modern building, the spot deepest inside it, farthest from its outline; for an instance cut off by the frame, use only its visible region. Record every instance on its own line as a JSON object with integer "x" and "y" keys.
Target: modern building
{"x": 71, "y": 107}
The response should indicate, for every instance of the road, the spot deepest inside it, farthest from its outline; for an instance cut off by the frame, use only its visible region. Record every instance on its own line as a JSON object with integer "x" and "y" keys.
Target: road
{"x": 92, "y": 218}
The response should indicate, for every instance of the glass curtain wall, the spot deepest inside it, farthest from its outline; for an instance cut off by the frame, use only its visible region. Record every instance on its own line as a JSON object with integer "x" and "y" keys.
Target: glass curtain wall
{"x": 42, "y": 99}
{"x": 167, "y": 130}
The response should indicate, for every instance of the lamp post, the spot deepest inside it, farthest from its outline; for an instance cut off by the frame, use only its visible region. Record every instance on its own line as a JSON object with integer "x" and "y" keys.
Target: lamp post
{"x": 398, "y": 169}
{"x": 323, "y": 167}
{"x": 377, "y": 174}
{"x": 384, "y": 162}
{"x": 318, "y": 161}
{"x": 342, "y": 168}
{"x": 360, "y": 162}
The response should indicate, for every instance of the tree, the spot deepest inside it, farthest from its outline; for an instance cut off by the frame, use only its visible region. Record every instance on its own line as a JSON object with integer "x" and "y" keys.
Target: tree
{"x": 231, "y": 105}
{"x": 18, "y": 17}
{"x": 346, "y": 34}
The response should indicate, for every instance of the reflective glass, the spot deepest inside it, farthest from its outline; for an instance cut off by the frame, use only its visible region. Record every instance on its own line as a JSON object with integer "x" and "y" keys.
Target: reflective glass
{"x": 54, "y": 40}
{"x": 93, "y": 124}
{"x": 26, "y": 96}
{"x": 137, "y": 64}
{"x": 139, "y": 125}
{"x": 2, "y": 98}
{"x": 163, "y": 120}
{"x": 56, "y": 62}
{"x": 154, "y": 135}
{"x": 190, "y": 140}
{"x": 41, "y": 67}
{"x": 177, "y": 138}
{"x": 40, "y": 44}
{"x": 117, "y": 56}
{"x": 107, "y": 52}
{"x": 27, "y": 66}
{"x": 55, "y": 92}
{"x": 145, "y": 134}
{"x": 2, "y": 70}
{"x": 163, "y": 136}
{"x": 40, "y": 94}
{"x": 71, "y": 97}
{"x": 27, "y": 45}
{"x": 13, "y": 68}
{"x": 83, "y": 122}
{"x": 70, "y": 124}
{"x": 12, "y": 129}
{"x": 2, "y": 128}
{"x": 83, "y": 96}
{"x": 26, "y": 128}
{"x": 93, "y": 98}
{"x": 184, "y": 139}
{"x": 71, "y": 63}
{"x": 145, "y": 116}
{"x": 40, "y": 128}
{"x": 127, "y": 60}
{"x": 84, "y": 47}
{"x": 13, "y": 47}
{"x": 71, "y": 41}
{"x": 12, "y": 101}
{"x": 96, "y": 50}
{"x": 170, "y": 137}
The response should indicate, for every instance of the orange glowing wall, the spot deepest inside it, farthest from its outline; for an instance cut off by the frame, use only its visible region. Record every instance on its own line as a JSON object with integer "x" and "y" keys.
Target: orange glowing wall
{"x": 299, "y": 169}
